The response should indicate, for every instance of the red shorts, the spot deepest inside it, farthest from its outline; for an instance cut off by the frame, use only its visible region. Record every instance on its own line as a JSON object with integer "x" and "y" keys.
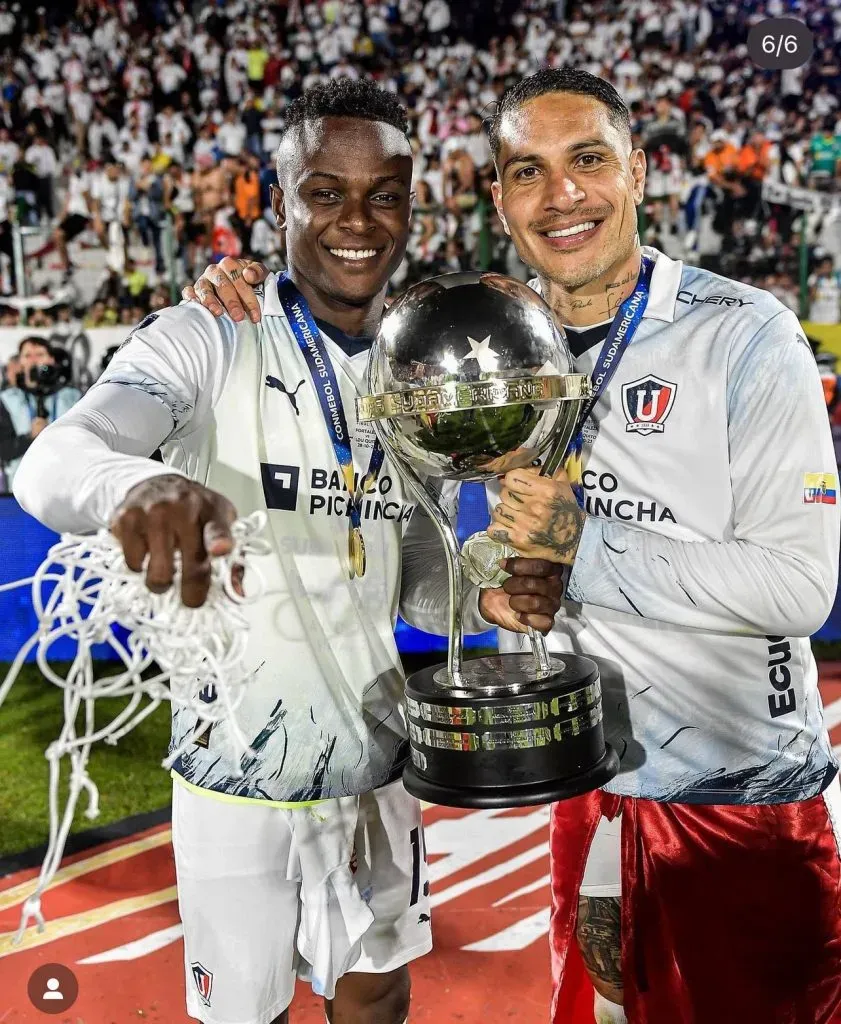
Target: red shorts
{"x": 729, "y": 913}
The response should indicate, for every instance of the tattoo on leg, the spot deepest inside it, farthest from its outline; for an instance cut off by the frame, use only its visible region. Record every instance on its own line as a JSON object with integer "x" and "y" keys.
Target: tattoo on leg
{"x": 564, "y": 529}
{"x": 599, "y": 938}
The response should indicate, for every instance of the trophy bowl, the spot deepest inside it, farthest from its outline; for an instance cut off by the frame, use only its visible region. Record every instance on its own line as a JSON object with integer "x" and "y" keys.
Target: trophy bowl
{"x": 468, "y": 378}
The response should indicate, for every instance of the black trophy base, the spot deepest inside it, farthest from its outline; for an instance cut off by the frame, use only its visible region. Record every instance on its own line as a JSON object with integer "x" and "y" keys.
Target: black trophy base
{"x": 527, "y": 795}
{"x": 508, "y": 736}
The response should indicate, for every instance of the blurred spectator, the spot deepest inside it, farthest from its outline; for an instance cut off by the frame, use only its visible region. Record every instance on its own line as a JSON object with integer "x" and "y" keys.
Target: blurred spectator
{"x": 111, "y": 208}
{"x": 722, "y": 166}
{"x": 76, "y": 214}
{"x": 825, "y": 294}
{"x": 102, "y": 136}
{"x": 231, "y": 134}
{"x": 825, "y": 157}
{"x": 41, "y": 393}
{"x": 247, "y": 197}
{"x": 41, "y": 157}
{"x": 146, "y": 194}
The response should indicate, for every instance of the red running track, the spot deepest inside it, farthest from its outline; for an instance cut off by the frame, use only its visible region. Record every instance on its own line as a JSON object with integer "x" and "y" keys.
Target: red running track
{"x": 112, "y": 918}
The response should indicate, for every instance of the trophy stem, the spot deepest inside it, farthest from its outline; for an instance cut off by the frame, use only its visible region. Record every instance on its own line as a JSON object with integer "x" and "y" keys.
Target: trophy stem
{"x": 538, "y": 649}
{"x": 451, "y": 550}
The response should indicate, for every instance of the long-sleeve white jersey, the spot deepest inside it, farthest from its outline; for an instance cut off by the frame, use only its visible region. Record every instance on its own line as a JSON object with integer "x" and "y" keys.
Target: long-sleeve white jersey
{"x": 710, "y": 551}
{"x": 234, "y": 407}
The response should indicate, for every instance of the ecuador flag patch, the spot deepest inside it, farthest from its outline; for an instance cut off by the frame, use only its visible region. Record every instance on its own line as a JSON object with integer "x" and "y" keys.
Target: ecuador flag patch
{"x": 819, "y": 488}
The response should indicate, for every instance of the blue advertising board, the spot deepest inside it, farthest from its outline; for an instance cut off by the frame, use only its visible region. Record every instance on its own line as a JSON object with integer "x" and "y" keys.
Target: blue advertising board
{"x": 24, "y": 543}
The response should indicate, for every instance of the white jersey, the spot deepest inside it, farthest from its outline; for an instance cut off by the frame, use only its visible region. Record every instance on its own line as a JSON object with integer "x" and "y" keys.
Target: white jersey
{"x": 111, "y": 194}
{"x": 711, "y": 549}
{"x": 237, "y": 410}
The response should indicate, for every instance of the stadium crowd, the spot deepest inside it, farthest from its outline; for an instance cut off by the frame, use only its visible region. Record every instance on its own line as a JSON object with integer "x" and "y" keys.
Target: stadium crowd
{"x": 144, "y": 131}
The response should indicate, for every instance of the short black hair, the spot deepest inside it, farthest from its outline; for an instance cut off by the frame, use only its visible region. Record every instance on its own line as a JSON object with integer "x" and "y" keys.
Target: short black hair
{"x": 33, "y": 339}
{"x": 549, "y": 80}
{"x": 347, "y": 97}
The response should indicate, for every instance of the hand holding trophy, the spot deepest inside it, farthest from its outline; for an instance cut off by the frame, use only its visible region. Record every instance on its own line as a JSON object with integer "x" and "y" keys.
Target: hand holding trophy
{"x": 469, "y": 378}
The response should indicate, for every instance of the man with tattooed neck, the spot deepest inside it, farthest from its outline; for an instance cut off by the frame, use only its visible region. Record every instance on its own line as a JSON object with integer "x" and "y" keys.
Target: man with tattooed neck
{"x": 698, "y": 517}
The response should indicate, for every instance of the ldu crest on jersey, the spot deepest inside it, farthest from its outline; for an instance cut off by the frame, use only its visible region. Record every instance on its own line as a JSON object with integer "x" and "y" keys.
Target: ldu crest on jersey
{"x": 647, "y": 403}
{"x": 204, "y": 981}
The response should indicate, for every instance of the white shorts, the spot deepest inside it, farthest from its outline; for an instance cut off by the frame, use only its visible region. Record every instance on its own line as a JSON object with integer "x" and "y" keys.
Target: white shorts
{"x": 267, "y": 895}
{"x": 603, "y": 872}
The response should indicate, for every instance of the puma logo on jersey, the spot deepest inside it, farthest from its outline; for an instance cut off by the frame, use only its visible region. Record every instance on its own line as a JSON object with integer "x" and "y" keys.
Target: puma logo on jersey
{"x": 275, "y": 382}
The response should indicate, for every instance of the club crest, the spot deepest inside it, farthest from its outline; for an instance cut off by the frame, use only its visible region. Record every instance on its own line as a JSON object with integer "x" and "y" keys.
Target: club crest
{"x": 647, "y": 403}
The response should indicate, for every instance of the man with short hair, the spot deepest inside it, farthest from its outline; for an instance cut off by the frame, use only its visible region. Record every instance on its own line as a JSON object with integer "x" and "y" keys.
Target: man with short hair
{"x": 29, "y": 407}
{"x": 307, "y": 858}
{"x": 700, "y": 523}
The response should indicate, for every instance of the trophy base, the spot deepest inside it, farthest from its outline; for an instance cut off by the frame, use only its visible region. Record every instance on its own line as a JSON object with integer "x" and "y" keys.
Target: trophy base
{"x": 526, "y": 795}
{"x": 507, "y": 737}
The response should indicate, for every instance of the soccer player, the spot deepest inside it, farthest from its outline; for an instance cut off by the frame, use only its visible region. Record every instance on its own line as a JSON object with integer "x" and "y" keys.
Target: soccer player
{"x": 308, "y": 861}
{"x": 702, "y": 884}
{"x": 701, "y": 560}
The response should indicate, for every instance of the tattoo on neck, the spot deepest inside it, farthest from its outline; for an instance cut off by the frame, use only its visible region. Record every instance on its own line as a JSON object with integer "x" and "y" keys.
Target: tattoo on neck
{"x": 630, "y": 276}
{"x": 563, "y": 530}
{"x": 613, "y": 299}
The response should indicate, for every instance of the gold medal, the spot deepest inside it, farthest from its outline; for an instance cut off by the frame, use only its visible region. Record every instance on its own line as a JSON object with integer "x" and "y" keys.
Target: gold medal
{"x": 356, "y": 552}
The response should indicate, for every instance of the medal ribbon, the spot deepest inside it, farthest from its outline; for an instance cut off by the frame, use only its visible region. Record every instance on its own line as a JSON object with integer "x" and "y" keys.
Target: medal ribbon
{"x": 622, "y": 330}
{"x": 317, "y": 358}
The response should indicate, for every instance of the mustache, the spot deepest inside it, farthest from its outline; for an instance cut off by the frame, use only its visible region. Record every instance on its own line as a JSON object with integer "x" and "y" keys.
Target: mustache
{"x": 586, "y": 213}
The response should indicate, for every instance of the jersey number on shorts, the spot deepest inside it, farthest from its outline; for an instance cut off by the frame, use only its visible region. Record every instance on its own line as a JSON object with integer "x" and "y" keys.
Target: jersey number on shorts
{"x": 418, "y": 851}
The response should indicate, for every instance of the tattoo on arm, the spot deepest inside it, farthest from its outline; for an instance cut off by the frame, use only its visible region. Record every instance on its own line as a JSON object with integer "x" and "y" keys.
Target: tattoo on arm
{"x": 599, "y": 937}
{"x": 564, "y": 529}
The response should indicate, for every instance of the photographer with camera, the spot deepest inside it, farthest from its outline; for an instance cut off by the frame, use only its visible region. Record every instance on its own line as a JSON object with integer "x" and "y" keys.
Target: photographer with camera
{"x": 42, "y": 394}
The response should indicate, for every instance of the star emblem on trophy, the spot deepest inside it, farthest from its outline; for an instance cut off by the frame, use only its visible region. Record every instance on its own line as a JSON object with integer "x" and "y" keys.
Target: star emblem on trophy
{"x": 486, "y": 358}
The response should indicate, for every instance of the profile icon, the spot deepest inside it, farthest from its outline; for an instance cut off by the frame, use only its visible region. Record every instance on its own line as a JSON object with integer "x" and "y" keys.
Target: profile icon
{"x": 53, "y": 988}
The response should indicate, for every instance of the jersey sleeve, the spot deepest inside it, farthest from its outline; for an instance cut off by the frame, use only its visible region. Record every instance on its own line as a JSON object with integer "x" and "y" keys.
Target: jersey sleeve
{"x": 777, "y": 570}
{"x": 161, "y": 385}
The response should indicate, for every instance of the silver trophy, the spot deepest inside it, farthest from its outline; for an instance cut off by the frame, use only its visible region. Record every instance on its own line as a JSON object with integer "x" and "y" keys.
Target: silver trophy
{"x": 469, "y": 377}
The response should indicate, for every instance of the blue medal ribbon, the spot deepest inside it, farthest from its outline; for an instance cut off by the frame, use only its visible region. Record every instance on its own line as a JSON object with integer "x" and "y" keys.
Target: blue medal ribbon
{"x": 308, "y": 336}
{"x": 622, "y": 330}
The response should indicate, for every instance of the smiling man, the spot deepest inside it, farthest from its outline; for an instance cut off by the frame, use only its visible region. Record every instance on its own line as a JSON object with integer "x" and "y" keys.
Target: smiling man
{"x": 703, "y": 553}
{"x": 700, "y": 521}
{"x": 304, "y": 859}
